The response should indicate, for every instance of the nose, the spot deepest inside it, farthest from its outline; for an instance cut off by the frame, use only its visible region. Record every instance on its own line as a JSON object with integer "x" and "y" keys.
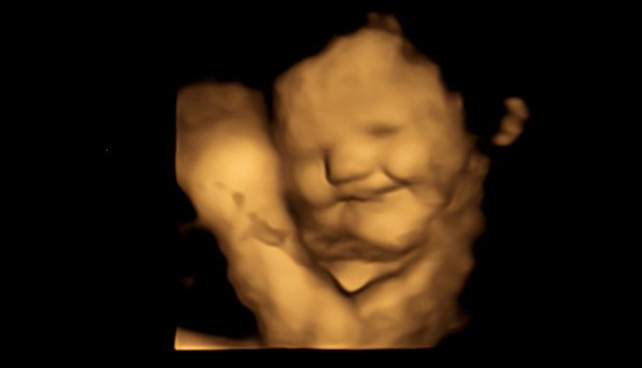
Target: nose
{"x": 349, "y": 162}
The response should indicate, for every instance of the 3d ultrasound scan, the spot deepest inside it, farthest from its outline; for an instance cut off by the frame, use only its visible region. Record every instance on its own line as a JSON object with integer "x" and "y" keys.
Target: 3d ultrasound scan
{"x": 339, "y": 203}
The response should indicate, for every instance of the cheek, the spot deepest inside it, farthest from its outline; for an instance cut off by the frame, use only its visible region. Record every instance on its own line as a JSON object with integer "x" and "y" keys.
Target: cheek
{"x": 430, "y": 165}
{"x": 407, "y": 159}
{"x": 308, "y": 182}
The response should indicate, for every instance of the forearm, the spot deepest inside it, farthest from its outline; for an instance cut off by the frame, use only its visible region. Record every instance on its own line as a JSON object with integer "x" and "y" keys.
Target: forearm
{"x": 296, "y": 304}
{"x": 227, "y": 166}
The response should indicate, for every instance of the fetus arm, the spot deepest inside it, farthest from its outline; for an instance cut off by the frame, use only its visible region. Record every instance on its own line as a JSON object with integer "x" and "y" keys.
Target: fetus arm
{"x": 229, "y": 169}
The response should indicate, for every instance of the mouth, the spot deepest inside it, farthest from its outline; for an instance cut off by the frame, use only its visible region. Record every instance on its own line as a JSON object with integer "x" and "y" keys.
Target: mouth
{"x": 367, "y": 196}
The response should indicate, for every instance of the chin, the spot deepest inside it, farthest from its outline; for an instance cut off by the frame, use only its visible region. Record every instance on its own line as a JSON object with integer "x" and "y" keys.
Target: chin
{"x": 394, "y": 236}
{"x": 395, "y": 231}
{"x": 358, "y": 231}
{"x": 365, "y": 244}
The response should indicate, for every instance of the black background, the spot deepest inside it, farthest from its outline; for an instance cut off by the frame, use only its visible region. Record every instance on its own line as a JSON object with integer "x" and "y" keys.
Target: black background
{"x": 519, "y": 295}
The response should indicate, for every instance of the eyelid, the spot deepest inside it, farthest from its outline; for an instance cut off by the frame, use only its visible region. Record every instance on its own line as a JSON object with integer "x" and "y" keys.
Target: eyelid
{"x": 381, "y": 130}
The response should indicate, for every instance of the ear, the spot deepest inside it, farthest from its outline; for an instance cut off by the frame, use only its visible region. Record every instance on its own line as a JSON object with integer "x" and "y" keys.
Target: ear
{"x": 512, "y": 124}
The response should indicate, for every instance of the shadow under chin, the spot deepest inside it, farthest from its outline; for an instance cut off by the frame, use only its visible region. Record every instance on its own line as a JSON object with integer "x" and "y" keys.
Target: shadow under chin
{"x": 353, "y": 276}
{"x": 356, "y": 271}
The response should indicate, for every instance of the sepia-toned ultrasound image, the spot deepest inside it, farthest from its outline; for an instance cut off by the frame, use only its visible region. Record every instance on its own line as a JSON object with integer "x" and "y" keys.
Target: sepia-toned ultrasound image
{"x": 335, "y": 202}
{"x": 359, "y": 177}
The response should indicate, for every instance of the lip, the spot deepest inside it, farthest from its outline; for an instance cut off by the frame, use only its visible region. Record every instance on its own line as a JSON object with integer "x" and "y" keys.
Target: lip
{"x": 367, "y": 195}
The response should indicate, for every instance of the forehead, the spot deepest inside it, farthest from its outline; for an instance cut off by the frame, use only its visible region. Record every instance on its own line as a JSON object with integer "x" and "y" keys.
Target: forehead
{"x": 370, "y": 77}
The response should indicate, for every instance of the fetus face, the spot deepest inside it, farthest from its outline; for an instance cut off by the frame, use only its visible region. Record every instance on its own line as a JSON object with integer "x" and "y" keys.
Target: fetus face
{"x": 372, "y": 144}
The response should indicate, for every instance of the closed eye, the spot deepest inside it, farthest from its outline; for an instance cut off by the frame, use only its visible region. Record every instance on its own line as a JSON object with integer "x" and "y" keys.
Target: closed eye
{"x": 380, "y": 130}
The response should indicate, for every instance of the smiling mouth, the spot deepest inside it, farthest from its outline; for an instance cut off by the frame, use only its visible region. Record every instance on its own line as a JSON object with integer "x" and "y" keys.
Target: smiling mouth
{"x": 373, "y": 196}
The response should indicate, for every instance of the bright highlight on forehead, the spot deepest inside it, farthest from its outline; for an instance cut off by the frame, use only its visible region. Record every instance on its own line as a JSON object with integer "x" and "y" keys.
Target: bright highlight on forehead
{"x": 368, "y": 56}
{"x": 360, "y": 68}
